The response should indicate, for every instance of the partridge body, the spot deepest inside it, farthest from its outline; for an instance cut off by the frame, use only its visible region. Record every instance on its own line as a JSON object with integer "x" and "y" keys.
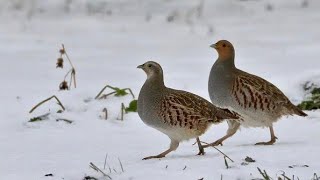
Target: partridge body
{"x": 178, "y": 114}
{"x": 258, "y": 101}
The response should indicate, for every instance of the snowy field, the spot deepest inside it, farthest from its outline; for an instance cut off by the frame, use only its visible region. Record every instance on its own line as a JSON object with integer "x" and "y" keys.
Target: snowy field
{"x": 278, "y": 40}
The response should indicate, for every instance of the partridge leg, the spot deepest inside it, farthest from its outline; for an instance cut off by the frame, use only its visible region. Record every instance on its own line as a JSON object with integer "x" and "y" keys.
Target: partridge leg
{"x": 173, "y": 146}
{"x": 273, "y": 138}
{"x": 201, "y": 149}
{"x": 233, "y": 127}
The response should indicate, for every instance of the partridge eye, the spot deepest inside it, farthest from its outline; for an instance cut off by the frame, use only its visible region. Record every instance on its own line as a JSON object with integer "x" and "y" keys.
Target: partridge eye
{"x": 149, "y": 65}
{"x": 224, "y": 45}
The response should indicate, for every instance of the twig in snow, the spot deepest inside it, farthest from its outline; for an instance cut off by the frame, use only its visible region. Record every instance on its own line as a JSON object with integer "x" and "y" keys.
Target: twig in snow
{"x": 264, "y": 174}
{"x": 105, "y": 111}
{"x": 115, "y": 170}
{"x": 185, "y": 167}
{"x": 89, "y": 178}
{"x": 94, "y": 167}
{"x": 105, "y": 161}
{"x": 219, "y": 151}
{"x": 225, "y": 162}
{"x": 40, "y": 118}
{"x": 65, "y": 120}
{"x": 55, "y": 97}
{"x": 121, "y": 165}
{"x": 122, "y": 111}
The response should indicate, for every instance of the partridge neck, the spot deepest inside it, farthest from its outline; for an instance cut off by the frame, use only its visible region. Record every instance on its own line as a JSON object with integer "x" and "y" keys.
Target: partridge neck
{"x": 225, "y": 64}
{"x": 155, "y": 82}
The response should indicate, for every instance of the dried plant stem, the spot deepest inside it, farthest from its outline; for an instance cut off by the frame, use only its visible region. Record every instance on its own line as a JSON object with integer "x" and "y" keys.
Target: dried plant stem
{"x": 94, "y": 167}
{"x": 105, "y": 110}
{"x": 104, "y": 96}
{"x": 105, "y": 161}
{"x": 224, "y": 154}
{"x": 219, "y": 151}
{"x": 65, "y": 120}
{"x": 130, "y": 92}
{"x": 40, "y": 103}
{"x": 264, "y": 174}
{"x": 104, "y": 88}
{"x": 73, "y": 70}
{"x": 65, "y": 52}
{"x": 121, "y": 165}
{"x": 67, "y": 74}
{"x": 70, "y": 83}
{"x": 122, "y": 111}
{"x": 226, "y": 162}
{"x": 73, "y": 75}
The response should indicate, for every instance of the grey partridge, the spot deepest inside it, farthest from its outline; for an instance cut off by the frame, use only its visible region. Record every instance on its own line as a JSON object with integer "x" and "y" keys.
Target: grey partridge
{"x": 178, "y": 114}
{"x": 257, "y": 101}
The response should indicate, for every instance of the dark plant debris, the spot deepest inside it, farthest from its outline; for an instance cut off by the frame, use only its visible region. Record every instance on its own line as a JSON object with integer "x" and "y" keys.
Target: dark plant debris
{"x": 65, "y": 120}
{"x": 64, "y": 85}
{"x": 249, "y": 160}
{"x": 60, "y": 62}
{"x": 40, "y": 118}
{"x": 89, "y": 178}
{"x": 295, "y": 166}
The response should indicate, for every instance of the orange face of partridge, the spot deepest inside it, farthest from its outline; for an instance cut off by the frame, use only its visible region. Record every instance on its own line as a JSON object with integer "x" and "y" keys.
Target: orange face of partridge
{"x": 225, "y": 49}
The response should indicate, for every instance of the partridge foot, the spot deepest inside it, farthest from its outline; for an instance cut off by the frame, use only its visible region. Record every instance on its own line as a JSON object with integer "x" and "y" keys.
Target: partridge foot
{"x": 201, "y": 151}
{"x": 216, "y": 143}
{"x": 154, "y": 157}
{"x": 271, "y": 142}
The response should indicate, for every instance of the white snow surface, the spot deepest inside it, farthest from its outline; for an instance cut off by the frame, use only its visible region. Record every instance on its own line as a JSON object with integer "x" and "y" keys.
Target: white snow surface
{"x": 106, "y": 40}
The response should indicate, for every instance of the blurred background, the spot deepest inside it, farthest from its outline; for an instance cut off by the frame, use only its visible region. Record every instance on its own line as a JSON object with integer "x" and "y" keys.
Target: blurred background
{"x": 269, "y": 36}
{"x": 278, "y": 40}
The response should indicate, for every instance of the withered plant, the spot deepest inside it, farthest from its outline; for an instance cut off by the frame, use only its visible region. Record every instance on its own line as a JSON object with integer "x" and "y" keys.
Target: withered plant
{"x": 72, "y": 72}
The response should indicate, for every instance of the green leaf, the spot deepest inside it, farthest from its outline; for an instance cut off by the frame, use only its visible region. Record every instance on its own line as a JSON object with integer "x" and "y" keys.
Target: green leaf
{"x": 132, "y": 106}
{"x": 120, "y": 92}
{"x": 315, "y": 91}
{"x": 313, "y": 100}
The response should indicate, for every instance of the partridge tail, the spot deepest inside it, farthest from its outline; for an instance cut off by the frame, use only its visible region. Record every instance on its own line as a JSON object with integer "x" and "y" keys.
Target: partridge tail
{"x": 298, "y": 111}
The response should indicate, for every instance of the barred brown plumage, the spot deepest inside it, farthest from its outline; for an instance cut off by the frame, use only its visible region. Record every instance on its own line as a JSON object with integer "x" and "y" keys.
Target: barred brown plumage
{"x": 257, "y": 101}
{"x": 178, "y": 114}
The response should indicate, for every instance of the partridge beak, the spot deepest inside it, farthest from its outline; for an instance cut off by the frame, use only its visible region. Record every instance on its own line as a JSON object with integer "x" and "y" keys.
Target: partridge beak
{"x": 213, "y": 46}
{"x": 140, "y": 66}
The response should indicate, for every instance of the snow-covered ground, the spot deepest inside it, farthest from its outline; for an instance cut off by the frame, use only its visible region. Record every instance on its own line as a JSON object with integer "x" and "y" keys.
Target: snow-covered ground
{"x": 106, "y": 40}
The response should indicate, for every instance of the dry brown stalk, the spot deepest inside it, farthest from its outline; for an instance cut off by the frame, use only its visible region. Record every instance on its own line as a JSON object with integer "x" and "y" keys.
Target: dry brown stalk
{"x": 48, "y": 99}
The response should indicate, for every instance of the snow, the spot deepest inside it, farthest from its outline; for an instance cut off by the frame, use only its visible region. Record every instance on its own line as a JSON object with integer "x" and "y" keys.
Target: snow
{"x": 280, "y": 45}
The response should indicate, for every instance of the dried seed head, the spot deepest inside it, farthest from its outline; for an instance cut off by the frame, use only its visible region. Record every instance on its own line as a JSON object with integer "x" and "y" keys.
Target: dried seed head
{"x": 64, "y": 85}
{"x": 62, "y": 51}
{"x": 59, "y": 63}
